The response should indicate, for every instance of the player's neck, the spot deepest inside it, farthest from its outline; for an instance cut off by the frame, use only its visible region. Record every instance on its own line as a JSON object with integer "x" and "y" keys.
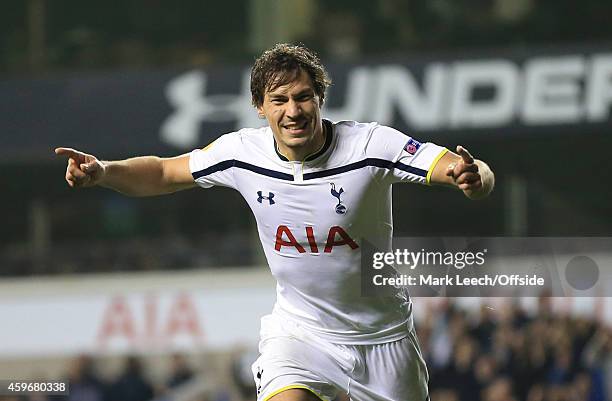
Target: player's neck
{"x": 301, "y": 153}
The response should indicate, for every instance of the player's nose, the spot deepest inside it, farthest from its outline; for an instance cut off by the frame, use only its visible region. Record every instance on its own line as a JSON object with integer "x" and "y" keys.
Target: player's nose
{"x": 293, "y": 109}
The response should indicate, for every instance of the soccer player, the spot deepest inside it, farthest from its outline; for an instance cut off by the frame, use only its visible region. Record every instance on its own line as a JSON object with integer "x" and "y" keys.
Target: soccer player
{"x": 317, "y": 189}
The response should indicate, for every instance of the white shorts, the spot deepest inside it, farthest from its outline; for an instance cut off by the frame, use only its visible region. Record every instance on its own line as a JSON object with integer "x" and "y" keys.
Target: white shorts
{"x": 290, "y": 358}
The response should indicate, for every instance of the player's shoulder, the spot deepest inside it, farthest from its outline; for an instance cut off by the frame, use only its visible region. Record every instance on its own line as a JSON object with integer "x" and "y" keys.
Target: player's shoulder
{"x": 359, "y": 133}
{"x": 243, "y": 139}
{"x": 354, "y": 128}
{"x": 349, "y": 130}
{"x": 371, "y": 139}
{"x": 350, "y": 139}
{"x": 247, "y": 135}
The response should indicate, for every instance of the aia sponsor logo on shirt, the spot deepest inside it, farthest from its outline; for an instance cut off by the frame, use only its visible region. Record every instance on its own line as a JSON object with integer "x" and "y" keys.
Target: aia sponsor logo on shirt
{"x": 412, "y": 146}
{"x": 337, "y": 236}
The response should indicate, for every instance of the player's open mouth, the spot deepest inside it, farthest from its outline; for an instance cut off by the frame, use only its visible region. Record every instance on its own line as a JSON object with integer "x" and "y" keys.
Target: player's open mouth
{"x": 296, "y": 128}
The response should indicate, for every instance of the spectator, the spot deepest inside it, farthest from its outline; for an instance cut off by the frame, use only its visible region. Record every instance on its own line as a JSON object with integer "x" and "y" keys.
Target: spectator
{"x": 131, "y": 385}
{"x": 181, "y": 371}
{"x": 85, "y": 385}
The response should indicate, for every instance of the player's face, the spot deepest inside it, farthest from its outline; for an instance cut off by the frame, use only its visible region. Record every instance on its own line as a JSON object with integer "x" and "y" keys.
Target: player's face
{"x": 294, "y": 113}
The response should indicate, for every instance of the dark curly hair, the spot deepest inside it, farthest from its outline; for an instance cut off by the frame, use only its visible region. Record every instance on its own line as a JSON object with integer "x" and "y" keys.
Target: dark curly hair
{"x": 282, "y": 64}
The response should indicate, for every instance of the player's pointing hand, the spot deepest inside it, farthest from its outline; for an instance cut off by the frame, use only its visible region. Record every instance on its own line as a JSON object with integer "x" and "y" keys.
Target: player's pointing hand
{"x": 465, "y": 173}
{"x": 465, "y": 155}
{"x": 84, "y": 170}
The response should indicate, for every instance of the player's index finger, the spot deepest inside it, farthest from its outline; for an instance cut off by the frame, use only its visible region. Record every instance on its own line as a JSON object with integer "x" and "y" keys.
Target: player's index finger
{"x": 66, "y": 152}
{"x": 465, "y": 155}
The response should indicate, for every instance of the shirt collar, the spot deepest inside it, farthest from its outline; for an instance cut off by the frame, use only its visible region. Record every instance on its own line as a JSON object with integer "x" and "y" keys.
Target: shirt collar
{"x": 328, "y": 129}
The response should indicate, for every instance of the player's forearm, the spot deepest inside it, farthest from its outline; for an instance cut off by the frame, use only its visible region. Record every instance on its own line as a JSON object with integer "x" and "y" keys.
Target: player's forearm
{"x": 139, "y": 176}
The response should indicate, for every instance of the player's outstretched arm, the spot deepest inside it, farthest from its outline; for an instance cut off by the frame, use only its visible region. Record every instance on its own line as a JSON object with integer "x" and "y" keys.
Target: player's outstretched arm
{"x": 138, "y": 176}
{"x": 461, "y": 170}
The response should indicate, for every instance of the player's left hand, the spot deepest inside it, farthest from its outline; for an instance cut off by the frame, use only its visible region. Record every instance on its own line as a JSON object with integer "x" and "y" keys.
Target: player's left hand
{"x": 465, "y": 173}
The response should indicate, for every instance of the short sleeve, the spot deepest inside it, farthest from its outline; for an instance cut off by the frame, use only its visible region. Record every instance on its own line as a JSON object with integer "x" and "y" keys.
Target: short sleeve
{"x": 405, "y": 159}
{"x": 212, "y": 165}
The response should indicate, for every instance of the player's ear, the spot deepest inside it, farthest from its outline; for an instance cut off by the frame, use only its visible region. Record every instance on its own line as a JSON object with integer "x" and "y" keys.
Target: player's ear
{"x": 260, "y": 111}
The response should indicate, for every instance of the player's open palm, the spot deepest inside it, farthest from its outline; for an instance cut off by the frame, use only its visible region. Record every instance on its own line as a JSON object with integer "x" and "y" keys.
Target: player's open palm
{"x": 84, "y": 170}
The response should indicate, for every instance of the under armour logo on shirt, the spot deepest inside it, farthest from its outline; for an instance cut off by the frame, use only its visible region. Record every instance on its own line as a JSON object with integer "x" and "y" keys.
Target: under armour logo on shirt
{"x": 258, "y": 379}
{"x": 261, "y": 197}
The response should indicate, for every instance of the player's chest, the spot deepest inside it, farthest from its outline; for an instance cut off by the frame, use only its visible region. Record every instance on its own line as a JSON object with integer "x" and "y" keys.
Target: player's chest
{"x": 330, "y": 200}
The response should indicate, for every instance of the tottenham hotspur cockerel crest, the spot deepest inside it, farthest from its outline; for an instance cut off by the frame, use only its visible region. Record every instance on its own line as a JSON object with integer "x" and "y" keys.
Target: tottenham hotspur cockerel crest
{"x": 340, "y": 207}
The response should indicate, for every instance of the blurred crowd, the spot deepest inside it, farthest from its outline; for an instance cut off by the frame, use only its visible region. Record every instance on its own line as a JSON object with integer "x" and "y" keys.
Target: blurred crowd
{"x": 97, "y": 231}
{"x": 132, "y": 383}
{"x": 509, "y": 355}
{"x": 489, "y": 354}
{"x": 136, "y": 254}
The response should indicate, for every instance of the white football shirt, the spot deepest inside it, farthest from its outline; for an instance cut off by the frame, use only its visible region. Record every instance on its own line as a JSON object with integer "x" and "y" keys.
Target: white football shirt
{"x": 313, "y": 216}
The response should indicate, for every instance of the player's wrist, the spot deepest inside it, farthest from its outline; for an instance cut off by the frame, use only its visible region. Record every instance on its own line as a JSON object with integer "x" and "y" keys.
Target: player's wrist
{"x": 103, "y": 174}
{"x": 487, "y": 180}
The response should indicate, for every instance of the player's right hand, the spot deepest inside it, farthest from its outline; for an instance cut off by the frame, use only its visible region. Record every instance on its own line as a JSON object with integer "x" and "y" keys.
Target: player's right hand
{"x": 83, "y": 170}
